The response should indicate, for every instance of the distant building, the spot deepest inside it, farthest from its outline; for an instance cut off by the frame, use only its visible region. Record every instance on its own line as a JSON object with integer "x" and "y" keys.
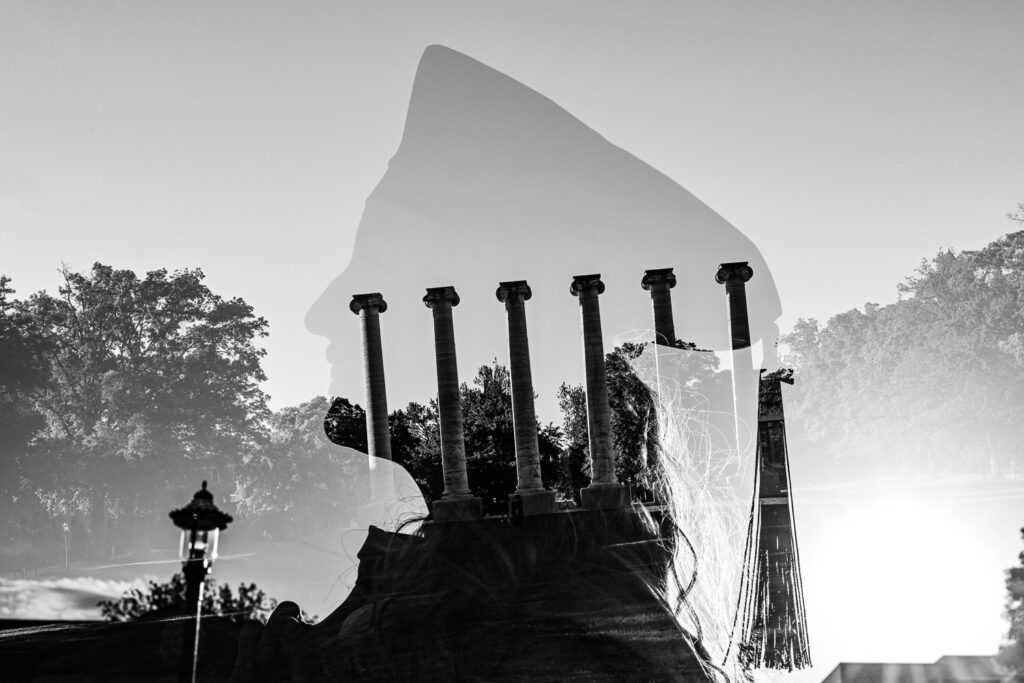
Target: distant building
{"x": 948, "y": 669}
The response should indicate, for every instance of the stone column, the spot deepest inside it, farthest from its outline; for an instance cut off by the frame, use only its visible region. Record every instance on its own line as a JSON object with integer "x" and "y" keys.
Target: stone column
{"x": 457, "y": 502}
{"x": 735, "y": 277}
{"x": 529, "y": 498}
{"x": 369, "y": 307}
{"x": 604, "y": 490}
{"x": 744, "y": 379}
{"x": 660, "y": 283}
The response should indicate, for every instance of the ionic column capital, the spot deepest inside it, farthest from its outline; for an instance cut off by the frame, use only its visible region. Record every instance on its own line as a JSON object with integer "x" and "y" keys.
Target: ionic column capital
{"x": 513, "y": 289}
{"x": 365, "y": 302}
{"x": 441, "y": 297}
{"x": 658, "y": 277}
{"x": 583, "y": 283}
{"x": 734, "y": 273}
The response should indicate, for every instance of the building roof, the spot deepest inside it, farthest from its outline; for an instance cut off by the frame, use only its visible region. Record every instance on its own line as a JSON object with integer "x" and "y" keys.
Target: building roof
{"x": 947, "y": 669}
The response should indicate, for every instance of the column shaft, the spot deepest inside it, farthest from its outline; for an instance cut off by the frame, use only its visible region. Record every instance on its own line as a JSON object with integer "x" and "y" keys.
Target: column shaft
{"x": 453, "y": 446}
{"x": 660, "y": 283}
{"x": 744, "y": 379}
{"x": 378, "y": 436}
{"x": 599, "y": 426}
{"x": 735, "y": 276}
{"x": 524, "y": 416}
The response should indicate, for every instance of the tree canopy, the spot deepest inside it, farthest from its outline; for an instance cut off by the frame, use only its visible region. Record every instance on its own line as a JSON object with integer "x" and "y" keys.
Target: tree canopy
{"x": 489, "y": 435}
{"x": 120, "y": 393}
{"x": 635, "y": 440}
{"x": 931, "y": 384}
{"x": 1011, "y": 654}
{"x": 137, "y": 387}
{"x": 248, "y": 602}
{"x": 299, "y": 480}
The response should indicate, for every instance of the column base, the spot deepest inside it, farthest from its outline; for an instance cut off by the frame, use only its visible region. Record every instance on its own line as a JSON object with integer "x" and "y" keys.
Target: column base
{"x": 604, "y": 496}
{"x": 457, "y": 509}
{"x": 532, "y": 503}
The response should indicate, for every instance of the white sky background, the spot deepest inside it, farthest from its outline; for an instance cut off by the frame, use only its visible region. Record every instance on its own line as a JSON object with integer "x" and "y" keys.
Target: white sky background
{"x": 847, "y": 140}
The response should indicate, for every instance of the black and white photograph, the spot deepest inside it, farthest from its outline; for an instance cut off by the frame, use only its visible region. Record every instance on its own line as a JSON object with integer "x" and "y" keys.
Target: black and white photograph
{"x": 577, "y": 340}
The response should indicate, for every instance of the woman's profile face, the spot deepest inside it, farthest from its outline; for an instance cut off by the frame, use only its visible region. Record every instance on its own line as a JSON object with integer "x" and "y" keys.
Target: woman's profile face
{"x": 494, "y": 182}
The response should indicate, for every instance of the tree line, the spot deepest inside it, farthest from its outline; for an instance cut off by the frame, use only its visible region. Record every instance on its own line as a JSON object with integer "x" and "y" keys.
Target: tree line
{"x": 931, "y": 385}
{"x": 303, "y": 475}
{"x": 120, "y": 392}
{"x": 116, "y": 391}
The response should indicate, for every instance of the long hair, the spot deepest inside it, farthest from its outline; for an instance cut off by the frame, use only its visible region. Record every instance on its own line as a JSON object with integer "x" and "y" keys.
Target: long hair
{"x": 570, "y": 596}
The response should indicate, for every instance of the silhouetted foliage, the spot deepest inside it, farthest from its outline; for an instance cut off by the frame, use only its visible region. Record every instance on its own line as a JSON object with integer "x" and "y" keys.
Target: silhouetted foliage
{"x": 416, "y": 445}
{"x": 574, "y": 470}
{"x": 298, "y": 481}
{"x": 634, "y": 422}
{"x": 489, "y": 435}
{"x": 22, "y": 374}
{"x": 633, "y": 418}
{"x": 345, "y": 424}
{"x": 1011, "y": 654}
{"x": 249, "y": 602}
{"x": 405, "y": 432}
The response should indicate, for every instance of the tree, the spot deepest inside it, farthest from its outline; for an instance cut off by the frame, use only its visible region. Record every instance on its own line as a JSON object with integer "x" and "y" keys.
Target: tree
{"x": 149, "y": 385}
{"x": 250, "y": 602}
{"x": 1011, "y": 654}
{"x": 344, "y": 423}
{"x": 634, "y": 421}
{"x": 1018, "y": 215}
{"x": 416, "y": 445}
{"x": 574, "y": 472}
{"x": 298, "y": 481}
{"x": 489, "y": 436}
{"x": 21, "y": 375}
{"x": 633, "y": 416}
{"x": 933, "y": 383}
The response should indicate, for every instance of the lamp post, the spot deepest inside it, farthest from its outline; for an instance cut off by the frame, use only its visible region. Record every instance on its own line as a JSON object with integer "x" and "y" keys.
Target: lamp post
{"x": 201, "y": 523}
{"x": 67, "y": 559}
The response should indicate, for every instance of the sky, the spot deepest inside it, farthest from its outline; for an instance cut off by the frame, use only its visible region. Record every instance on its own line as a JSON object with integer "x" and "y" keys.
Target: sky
{"x": 847, "y": 140}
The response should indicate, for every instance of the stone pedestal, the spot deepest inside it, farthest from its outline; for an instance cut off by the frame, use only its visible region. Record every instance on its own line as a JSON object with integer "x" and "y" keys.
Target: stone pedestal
{"x": 457, "y": 509}
{"x": 604, "y": 496}
{"x": 528, "y": 503}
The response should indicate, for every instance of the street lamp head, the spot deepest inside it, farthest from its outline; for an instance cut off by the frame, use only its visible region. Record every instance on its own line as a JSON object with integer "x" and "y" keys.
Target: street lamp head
{"x": 201, "y": 514}
{"x": 200, "y": 522}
